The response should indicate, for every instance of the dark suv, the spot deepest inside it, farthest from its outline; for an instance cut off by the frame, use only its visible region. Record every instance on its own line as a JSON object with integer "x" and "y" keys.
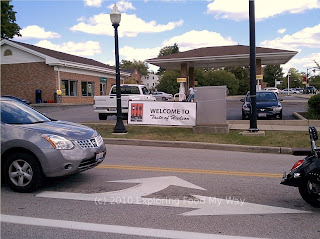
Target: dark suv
{"x": 310, "y": 90}
{"x": 268, "y": 105}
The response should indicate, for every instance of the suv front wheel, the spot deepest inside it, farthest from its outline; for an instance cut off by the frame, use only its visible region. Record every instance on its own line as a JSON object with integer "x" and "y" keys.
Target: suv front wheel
{"x": 22, "y": 171}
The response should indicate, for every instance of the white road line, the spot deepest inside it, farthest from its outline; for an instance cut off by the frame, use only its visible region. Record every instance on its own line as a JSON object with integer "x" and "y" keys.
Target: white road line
{"x": 136, "y": 231}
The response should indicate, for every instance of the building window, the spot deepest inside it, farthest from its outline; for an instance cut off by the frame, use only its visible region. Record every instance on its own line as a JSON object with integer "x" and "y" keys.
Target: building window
{"x": 7, "y": 52}
{"x": 69, "y": 87}
{"x": 87, "y": 88}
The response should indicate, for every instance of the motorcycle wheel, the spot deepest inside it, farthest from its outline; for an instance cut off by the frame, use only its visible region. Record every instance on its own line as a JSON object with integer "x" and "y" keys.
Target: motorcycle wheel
{"x": 308, "y": 195}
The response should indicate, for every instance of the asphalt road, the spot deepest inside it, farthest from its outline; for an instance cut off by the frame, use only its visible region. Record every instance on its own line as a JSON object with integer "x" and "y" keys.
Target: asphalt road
{"x": 184, "y": 198}
{"x": 85, "y": 113}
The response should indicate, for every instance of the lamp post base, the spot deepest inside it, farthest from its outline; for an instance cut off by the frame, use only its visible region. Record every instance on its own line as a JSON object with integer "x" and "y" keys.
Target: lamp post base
{"x": 119, "y": 128}
{"x": 253, "y": 130}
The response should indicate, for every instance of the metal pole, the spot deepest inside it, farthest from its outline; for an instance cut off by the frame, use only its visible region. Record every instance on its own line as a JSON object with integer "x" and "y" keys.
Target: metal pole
{"x": 288, "y": 82}
{"x": 253, "y": 97}
{"x": 119, "y": 128}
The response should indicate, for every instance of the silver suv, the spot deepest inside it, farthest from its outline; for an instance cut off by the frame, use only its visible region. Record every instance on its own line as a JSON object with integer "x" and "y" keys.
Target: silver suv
{"x": 34, "y": 146}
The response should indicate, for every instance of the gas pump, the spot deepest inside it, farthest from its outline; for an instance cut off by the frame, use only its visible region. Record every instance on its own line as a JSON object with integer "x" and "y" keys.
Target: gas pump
{"x": 182, "y": 90}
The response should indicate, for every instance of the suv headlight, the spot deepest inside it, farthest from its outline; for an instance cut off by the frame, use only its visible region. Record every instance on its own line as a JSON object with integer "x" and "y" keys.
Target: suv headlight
{"x": 277, "y": 109}
{"x": 58, "y": 142}
{"x": 245, "y": 107}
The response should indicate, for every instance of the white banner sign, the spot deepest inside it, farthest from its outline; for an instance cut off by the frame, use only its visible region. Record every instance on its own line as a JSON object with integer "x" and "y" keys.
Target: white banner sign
{"x": 162, "y": 113}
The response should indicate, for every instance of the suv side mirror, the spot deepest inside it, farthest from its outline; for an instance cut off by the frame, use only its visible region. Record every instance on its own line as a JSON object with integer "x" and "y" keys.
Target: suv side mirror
{"x": 313, "y": 133}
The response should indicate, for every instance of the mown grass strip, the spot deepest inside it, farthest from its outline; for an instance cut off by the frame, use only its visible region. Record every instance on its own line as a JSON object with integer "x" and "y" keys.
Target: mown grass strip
{"x": 272, "y": 138}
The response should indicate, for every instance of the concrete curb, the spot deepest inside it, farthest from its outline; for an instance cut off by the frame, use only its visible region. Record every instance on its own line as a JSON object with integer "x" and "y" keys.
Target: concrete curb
{"x": 199, "y": 145}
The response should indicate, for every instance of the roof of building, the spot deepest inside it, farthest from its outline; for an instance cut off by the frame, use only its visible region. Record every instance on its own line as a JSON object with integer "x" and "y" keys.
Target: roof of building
{"x": 64, "y": 56}
{"x": 222, "y": 56}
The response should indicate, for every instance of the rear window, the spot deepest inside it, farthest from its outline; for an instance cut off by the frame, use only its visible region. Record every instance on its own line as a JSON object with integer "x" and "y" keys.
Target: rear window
{"x": 125, "y": 90}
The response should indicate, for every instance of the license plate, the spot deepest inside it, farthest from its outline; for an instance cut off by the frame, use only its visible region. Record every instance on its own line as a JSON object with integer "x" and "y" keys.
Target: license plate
{"x": 99, "y": 156}
{"x": 262, "y": 115}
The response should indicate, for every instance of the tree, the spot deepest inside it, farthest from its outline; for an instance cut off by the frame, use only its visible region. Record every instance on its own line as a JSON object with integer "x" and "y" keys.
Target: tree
{"x": 243, "y": 75}
{"x": 272, "y": 73}
{"x": 168, "y": 82}
{"x": 167, "y": 50}
{"x": 295, "y": 79}
{"x": 220, "y": 78}
{"x": 9, "y": 27}
{"x": 141, "y": 66}
{"x": 315, "y": 81}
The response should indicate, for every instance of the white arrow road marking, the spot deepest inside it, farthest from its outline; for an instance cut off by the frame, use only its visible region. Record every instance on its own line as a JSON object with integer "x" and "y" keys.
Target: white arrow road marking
{"x": 137, "y": 195}
{"x": 149, "y": 186}
{"x": 146, "y": 187}
{"x": 231, "y": 206}
{"x": 136, "y": 231}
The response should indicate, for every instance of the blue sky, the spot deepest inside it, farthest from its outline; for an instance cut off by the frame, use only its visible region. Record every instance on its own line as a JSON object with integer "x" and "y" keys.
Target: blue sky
{"x": 83, "y": 27}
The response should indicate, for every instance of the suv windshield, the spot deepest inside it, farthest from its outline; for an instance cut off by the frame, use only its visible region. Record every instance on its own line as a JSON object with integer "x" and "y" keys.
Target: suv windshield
{"x": 13, "y": 112}
{"x": 264, "y": 96}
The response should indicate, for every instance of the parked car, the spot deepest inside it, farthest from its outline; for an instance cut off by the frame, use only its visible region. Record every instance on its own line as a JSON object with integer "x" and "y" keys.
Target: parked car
{"x": 300, "y": 90}
{"x": 34, "y": 146}
{"x": 310, "y": 90}
{"x": 268, "y": 105}
{"x": 161, "y": 95}
{"x": 273, "y": 89}
{"x": 106, "y": 105}
{"x": 290, "y": 91}
{"x": 17, "y": 98}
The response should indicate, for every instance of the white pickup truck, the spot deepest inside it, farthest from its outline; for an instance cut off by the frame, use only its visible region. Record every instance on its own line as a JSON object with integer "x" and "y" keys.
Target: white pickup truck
{"x": 106, "y": 105}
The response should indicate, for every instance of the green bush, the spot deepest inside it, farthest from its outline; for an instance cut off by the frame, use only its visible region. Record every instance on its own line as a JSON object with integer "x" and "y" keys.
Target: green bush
{"x": 314, "y": 107}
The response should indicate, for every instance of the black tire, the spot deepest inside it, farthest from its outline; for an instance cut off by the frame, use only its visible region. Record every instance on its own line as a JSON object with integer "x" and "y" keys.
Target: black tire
{"x": 306, "y": 193}
{"x": 23, "y": 173}
{"x": 280, "y": 115}
{"x": 164, "y": 98}
{"x": 103, "y": 116}
{"x": 243, "y": 116}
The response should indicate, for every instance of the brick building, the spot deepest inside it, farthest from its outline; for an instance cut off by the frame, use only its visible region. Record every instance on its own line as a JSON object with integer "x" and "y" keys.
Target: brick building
{"x": 135, "y": 76}
{"x": 26, "y": 68}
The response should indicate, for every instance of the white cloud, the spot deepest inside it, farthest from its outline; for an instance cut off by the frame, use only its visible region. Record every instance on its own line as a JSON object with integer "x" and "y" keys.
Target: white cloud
{"x": 38, "y": 33}
{"x": 307, "y": 37}
{"x": 239, "y": 10}
{"x": 93, "y": 3}
{"x": 282, "y": 30}
{"x": 130, "y": 26}
{"x": 302, "y": 63}
{"x": 123, "y": 6}
{"x": 196, "y": 39}
{"x": 88, "y": 48}
{"x": 186, "y": 41}
{"x": 141, "y": 54}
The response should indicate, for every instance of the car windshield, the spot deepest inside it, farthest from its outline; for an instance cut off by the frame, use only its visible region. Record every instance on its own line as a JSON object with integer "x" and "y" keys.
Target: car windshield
{"x": 264, "y": 96}
{"x": 13, "y": 112}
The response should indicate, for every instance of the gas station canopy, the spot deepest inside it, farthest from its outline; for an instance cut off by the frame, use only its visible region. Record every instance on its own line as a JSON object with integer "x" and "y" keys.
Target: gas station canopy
{"x": 222, "y": 56}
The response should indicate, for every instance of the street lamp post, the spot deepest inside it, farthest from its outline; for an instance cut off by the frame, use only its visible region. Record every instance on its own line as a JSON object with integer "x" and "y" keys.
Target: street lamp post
{"x": 253, "y": 97}
{"x": 115, "y": 17}
{"x": 288, "y": 82}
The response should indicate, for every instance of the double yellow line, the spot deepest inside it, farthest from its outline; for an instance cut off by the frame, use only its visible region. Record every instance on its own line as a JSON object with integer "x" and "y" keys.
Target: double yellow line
{"x": 187, "y": 170}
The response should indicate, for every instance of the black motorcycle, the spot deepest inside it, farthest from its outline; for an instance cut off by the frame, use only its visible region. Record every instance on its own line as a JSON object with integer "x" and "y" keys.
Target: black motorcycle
{"x": 305, "y": 174}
